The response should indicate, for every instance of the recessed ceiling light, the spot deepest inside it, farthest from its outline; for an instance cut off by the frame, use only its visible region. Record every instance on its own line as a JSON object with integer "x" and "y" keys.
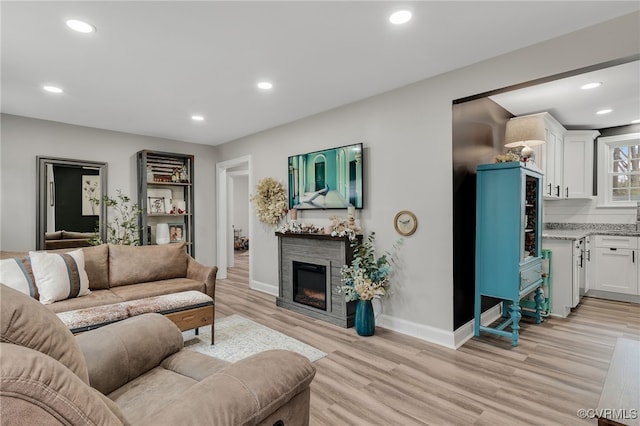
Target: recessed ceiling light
{"x": 197, "y": 118}
{"x": 400, "y": 17}
{"x": 52, "y": 89}
{"x": 590, "y": 85}
{"x": 604, "y": 111}
{"x": 265, "y": 85}
{"x": 635, "y": 121}
{"x": 80, "y": 26}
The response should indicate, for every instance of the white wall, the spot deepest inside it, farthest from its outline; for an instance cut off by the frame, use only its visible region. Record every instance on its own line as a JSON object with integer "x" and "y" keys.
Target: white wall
{"x": 240, "y": 216}
{"x": 408, "y": 149}
{"x": 586, "y": 211}
{"x": 22, "y": 139}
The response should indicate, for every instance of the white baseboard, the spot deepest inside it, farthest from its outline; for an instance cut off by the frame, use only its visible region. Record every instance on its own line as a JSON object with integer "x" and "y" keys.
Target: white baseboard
{"x": 264, "y": 287}
{"x": 424, "y": 332}
{"x": 466, "y": 332}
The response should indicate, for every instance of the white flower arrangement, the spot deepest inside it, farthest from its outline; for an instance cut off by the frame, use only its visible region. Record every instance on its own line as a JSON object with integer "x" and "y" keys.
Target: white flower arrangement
{"x": 342, "y": 228}
{"x": 271, "y": 201}
{"x": 368, "y": 275}
{"x": 299, "y": 228}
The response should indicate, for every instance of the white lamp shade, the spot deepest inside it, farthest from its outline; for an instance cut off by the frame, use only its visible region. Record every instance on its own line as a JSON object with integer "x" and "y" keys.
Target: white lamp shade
{"x": 525, "y": 131}
{"x": 162, "y": 233}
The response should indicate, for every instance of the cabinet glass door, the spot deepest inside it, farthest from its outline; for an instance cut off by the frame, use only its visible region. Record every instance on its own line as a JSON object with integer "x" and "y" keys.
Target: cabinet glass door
{"x": 531, "y": 237}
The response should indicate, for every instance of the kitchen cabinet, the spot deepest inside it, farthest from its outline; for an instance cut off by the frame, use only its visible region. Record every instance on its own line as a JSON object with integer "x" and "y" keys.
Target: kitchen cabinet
{"x": 549, "y": 157}
{"x": 568, "y": 272}
{"x": 577, "y": 169}
{"x": 614, "y": 265}
{"x": 566, "y": 160}
{"x": 165, "y": 196}
{"x": 508, "y": 242}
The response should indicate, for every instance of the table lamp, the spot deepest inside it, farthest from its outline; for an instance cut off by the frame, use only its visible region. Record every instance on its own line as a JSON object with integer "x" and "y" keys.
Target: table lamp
{"x": 525, "y": 132}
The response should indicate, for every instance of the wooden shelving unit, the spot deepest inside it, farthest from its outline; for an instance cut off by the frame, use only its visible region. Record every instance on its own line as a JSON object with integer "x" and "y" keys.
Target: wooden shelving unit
{"x": 165, "y": 195}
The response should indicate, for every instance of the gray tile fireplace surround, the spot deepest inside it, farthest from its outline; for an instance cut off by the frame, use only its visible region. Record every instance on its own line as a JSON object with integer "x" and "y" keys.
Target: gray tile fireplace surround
{"x": 316, "y": 249}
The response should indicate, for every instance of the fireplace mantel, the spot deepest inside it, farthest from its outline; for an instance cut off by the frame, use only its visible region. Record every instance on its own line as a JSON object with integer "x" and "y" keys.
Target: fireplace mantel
{"x": 318, "y": 249}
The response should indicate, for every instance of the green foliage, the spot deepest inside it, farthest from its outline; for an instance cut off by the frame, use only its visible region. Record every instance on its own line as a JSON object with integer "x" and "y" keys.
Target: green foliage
{"x": 123, "y": 229}
{"x": 368, "y": 276}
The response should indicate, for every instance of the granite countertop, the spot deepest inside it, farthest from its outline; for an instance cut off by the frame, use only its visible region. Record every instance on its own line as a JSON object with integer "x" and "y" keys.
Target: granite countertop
{"x": 576, "y": 231}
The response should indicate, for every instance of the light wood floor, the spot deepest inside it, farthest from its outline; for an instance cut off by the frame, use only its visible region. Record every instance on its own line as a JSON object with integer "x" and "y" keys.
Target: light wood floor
{"x": 392, "y": 379}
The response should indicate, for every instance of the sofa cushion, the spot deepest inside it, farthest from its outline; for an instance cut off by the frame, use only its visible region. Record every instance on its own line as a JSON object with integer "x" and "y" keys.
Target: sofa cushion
{"x": 146, "y": 395}
{"x": 44, "y": 392}
{"x": 96, "y": 263}
{"x": 59, "y": 275}
{"x": 157, "y": 288}
{"x": 25, "y": 322}
{"x": 95, "y": 298}
{"x": 86, "y": 319}
{"x": 16, "y": 273}
{"x": 140, "y": 264}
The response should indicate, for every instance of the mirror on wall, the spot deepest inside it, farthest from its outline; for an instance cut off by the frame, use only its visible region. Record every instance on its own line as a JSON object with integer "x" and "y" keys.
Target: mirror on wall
{"x": 66, "y": 215}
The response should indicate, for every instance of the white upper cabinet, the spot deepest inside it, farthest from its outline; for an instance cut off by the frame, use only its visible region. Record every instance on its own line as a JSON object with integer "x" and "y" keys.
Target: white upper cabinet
{"x": 549, "y": 157}
{"x": 566, "y": 159}
{"x": 577, "y": 154}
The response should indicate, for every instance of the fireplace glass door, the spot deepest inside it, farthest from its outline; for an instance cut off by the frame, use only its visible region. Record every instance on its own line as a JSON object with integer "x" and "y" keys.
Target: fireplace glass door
{"x": 310, "y": 284}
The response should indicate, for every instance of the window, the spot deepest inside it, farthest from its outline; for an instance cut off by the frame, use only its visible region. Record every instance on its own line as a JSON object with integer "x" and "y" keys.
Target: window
{"x": 619, "y": 170}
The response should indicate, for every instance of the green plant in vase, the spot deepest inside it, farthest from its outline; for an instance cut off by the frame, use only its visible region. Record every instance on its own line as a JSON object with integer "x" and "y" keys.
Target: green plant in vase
{"x": 367, "y": 278}
{"x": 123, "y": 229}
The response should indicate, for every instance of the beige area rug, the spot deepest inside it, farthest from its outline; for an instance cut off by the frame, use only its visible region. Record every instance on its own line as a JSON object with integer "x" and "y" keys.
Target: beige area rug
{"x": 238, "y": 337}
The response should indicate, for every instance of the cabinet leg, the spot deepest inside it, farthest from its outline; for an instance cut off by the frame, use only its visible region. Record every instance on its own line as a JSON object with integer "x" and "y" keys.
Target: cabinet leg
{"x": 477, "y": 315}
{"x": 539, "y": 298}
{"x": 516, "y": 314}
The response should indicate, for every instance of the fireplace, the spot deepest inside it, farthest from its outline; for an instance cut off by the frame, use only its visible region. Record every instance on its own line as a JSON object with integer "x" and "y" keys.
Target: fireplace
{"x": 310, "y": 279}
{"x": 310, "y": 284}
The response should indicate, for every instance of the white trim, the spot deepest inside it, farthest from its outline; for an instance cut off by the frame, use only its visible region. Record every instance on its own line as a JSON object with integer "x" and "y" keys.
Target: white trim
{"x": 423, "y": 332}
{"x": 604, "y": 168}
{"x": 264, "y": 287}
{"x": 466, "y": 332}
{"x": 223, "y": 174}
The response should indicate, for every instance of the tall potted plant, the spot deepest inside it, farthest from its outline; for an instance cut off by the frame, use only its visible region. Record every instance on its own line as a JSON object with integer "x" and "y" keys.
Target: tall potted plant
{"x": 367, "y": 278}
{"x": 123, "y": 229}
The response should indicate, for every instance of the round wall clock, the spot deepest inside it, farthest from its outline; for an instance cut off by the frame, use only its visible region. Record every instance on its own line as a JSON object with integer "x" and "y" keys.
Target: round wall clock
{"x": 405, "y": 223}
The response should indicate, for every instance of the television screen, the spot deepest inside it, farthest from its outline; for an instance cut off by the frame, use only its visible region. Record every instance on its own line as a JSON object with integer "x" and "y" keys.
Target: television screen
{"x": 329, "y": 179}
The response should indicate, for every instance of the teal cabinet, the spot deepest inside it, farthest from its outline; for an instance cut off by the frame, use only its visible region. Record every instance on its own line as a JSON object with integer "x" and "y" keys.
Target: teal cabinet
{"x": 508, "y": 242}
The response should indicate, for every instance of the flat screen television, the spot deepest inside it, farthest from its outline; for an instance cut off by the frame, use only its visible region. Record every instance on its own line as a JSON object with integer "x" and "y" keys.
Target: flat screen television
{"x": 328, "y": 179}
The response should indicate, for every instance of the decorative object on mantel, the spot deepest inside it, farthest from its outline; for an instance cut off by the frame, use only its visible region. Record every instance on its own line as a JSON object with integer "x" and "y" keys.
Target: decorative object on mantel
{"x": 341, "y": 228}
{"x": 299, "y": 228}
{"x": 123, "y": 228}
{"x": 271, "y": 201}
{"x": 365, "y": 279}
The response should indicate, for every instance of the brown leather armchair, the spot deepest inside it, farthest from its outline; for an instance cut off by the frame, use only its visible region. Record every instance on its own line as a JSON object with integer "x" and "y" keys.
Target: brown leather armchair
{"x": 136, "y": 372}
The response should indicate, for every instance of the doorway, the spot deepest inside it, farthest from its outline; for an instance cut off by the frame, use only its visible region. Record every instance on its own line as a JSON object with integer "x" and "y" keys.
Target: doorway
{"x": 232, "y": 175}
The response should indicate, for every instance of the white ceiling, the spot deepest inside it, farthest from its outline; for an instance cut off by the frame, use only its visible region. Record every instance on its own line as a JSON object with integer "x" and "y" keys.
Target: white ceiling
{"x": 576, "y": 108}
{"x": 151, "y": 65}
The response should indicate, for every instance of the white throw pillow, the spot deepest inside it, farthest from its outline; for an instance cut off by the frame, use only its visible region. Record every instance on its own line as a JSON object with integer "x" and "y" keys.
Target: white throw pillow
{"x": 59, "y": 276}
{"x": 16, "y": 273}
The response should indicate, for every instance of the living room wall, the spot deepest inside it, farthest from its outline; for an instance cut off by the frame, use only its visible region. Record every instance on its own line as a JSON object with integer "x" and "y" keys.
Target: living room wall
{"x": 407, "y": 134}
{"x": 25, "y": 138}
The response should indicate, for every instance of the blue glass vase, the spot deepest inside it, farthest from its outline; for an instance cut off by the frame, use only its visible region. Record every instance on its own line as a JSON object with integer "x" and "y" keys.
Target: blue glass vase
{"x": 365, "y": 319}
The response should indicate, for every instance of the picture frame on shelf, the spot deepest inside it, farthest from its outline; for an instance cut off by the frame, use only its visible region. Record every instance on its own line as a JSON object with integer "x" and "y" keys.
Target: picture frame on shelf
{"x": 156, "y": 205}
{"x": 176, "y": 232}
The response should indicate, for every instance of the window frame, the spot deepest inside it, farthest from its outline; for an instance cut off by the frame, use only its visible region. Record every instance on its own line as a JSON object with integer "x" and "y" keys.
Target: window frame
{"x": 605, "y": 168}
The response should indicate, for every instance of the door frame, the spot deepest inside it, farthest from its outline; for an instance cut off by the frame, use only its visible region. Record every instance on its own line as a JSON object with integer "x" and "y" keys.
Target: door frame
{"x": 223, "y": 224}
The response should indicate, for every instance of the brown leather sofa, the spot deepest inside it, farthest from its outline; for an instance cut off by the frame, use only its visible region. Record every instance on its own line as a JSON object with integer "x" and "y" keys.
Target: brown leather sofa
{"x": 67, "y": 239}
{"x": 119, "y": 273}
{"x": 136, "y": 372}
